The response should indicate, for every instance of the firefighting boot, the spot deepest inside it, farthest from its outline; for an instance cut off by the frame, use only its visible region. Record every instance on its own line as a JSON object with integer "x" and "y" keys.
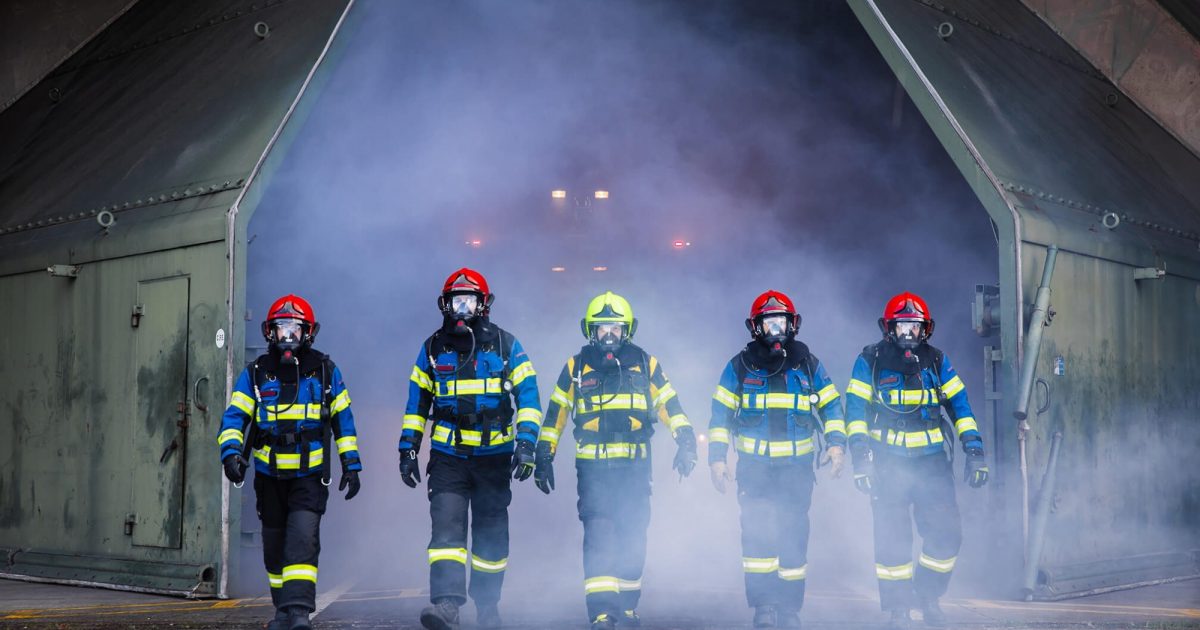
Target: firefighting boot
{"x": 788, "y": 617}
{"x": 933, "y": 614}
{"x": 603, "y": 621}
{"x": 899, "y": 619}
{"x": 630, "y": 618}
{"x": 487, "y": 615}
{"x": 442, "y": 615}
{"x": 765, "y": 617}
{"x": 280, "y": 621}
{"x": 298, "y": 619}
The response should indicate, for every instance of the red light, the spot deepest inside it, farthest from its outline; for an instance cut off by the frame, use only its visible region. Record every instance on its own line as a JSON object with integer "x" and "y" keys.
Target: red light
{"x": 600, "y": 268}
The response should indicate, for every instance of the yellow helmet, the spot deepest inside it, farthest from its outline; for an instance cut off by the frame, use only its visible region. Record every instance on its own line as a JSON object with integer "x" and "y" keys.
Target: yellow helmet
{"x": 608, "y": 308}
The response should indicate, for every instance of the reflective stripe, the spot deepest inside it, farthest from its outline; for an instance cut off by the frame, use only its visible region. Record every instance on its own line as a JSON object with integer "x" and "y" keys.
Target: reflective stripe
{"x": 231, "y": 434}
{"x": 610, "y": 401}
{"x": 664, "y": 394}
{"x": 560, "y": 397}
{"x": 760, "y": 565}
{"x": 348, "y": 443}
{"x": 520, "y": 373}
{"x": 414, "y": 422}
{"x": 444, "y": 435}
{"x": 725, "y": 397}
{"x": 421, "y": 379}
{"x": 909, "y": 439}
{"x": 602, "y": 584}
{"x": 933, "y": 564}
{"x": 275, "y": 580}
{"x": 529, "y": 414}
{"x": 792, "y": 575}
{"x": 613, "y": 450}
{"x": 306, "y": 572}
{"x": 912, "y": 396}
{"x": 718, "y": 435}
{"x": 779, "y": 400}
{"x": 340, "y": 403}
{"x": 827, "y": 394}
{"x": 860, "y": 389}
{"x": 629, "y": 585}
{"x": 549, "y": 434}
{"x": 899, "y": 572}
{"x": 835, "y": 426}
{"x": 857, "y": 426}
{"x": 964, "y": 424}
{"x": 293, "y": 411}
{"x": 290, "y": 461}
{"x": 458, "y": 554}
{"x": 485, "y": 566}
{"x": 468, "y": 387}
{"x": 952, "y": 387}
{"x": 677, "y": 422}
{"x": 243, "y": 402}
{"x": 774, "y": 449}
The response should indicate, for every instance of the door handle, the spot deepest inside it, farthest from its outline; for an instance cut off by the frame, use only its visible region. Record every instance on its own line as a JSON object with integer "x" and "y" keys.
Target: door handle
{"x": 196, "y": 395}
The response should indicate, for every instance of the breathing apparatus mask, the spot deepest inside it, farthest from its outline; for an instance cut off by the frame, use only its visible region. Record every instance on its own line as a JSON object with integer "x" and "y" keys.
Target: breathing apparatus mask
{"x": 608, "y": 338}
{"x": 286, "y": 337}
{"x": 460, "y": 311}
{"x": 908, "y": 336}
{"x": 774, "y": 332}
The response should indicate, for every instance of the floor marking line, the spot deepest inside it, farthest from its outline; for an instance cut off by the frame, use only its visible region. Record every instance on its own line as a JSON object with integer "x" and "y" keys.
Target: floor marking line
{"x": 328, "y": 597}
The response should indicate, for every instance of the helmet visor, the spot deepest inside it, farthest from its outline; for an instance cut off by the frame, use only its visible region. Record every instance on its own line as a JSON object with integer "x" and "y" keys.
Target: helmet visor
{"x": 610, "y": 330}
{"x": 775, "y": 325}
{"x": 288, "y": 330}
{"x": 464, "y": 304}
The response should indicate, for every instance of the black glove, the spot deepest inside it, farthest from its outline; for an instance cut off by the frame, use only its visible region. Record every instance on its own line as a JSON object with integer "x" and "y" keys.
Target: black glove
{"x": 235, "y": 468}
{"x": 685, "y": 454}
{"x": 976, "y": 470}
{"x": 864, "y": 471}
{"x": 543, "y": 475}
{"x": 350, "y": 478}
{"x": 522, "y": 460}
{"x": 410, "y": 469}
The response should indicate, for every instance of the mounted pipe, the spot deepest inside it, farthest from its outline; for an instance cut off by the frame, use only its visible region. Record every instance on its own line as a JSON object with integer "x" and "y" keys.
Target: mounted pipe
{"x": 1033, "y": 340}
{"x": 1041, "y": 517}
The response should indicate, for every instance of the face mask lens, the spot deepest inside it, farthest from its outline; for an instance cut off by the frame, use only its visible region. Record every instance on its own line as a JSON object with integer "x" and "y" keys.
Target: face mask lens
{"x": 464, "y": 304}
{"x": 775, "y": 325}
{"x": 610, "y": 334}
{"x": 288, "y": 330}
{"x": 911, "y": 330}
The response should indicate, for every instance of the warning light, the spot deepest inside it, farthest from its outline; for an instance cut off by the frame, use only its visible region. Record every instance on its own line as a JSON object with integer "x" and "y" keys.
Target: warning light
{"x": 474, "y": 243}
{"x": 558, "y": 194}
{"x": 680, "y": 244}
{"x": 599, "y": 268}
{"x": 602, "y": 194}
{"x": 558, "y": 269}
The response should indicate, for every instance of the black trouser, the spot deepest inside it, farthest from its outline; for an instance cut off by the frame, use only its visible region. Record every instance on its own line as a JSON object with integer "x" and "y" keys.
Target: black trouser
{"x": 926, "y": 485}
{"x": 775, "y": 496}
{"x": 456, "y": 484}
{"x": 614, "y": 505}
{"x": 290, "y": 511}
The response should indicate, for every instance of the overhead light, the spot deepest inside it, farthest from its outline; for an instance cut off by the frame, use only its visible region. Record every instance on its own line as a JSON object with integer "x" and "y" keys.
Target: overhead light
{"x": 602, "y": 194}
{"x": 600, "y": 268}
{"x": 558, "y": 269}
{"x": 680, "y": 244}
{"x": 701, "y": 437}
{"x": 474, "y": 242}
{"x": 558, "y": 194}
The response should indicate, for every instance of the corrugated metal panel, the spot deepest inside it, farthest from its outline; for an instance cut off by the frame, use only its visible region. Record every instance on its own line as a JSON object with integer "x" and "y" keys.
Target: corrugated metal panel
{"x": 1051, "y": 147}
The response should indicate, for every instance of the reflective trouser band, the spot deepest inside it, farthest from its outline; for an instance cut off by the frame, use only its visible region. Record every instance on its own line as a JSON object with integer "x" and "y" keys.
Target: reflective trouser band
{"x": 933, "y": 564}
{"x": 629, "y": 585}
{"x": 457, "y": 554}
{"x": 760, "y": 565}
{"x": 275, "y": 580}
{"x": 602, "y": 584}
{"x": 487, "y": 566}
{"x": 899, "y": 572}
{"x": 774, "y": 449}
{"x": 306, "y": 572}
{"x": 792, "y": 575}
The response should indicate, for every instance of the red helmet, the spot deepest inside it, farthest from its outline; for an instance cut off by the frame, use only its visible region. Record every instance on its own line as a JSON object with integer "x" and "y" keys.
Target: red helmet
{"x": 292, "y": 306}
{"x": 466, "y": 280}
{"x": 906, "y": 307}
{"x": 771, "y": 303}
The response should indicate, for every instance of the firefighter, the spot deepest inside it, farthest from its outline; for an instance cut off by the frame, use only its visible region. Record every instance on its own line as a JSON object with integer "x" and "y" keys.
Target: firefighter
{"x": 466, "y": 377}
{"x": 613, "y": 392}
{"x": 291, "y": 407}
{"x": 897, "y": 440}
{"x": 774, "y": 403}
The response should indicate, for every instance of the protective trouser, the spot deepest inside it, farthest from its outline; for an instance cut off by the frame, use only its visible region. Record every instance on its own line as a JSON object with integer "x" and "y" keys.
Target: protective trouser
{"x": 926, "y": 484}
{"x": 775, "y": 497}
{"x": 481, "y": 484}
{"x": 290, "y": 511}
{"x": 614, "y": 505}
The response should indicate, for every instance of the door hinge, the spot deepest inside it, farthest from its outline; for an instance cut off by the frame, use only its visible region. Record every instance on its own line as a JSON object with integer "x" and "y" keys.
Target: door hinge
{"x": 135, "y": 318}
{"x": 130, "y": 520}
